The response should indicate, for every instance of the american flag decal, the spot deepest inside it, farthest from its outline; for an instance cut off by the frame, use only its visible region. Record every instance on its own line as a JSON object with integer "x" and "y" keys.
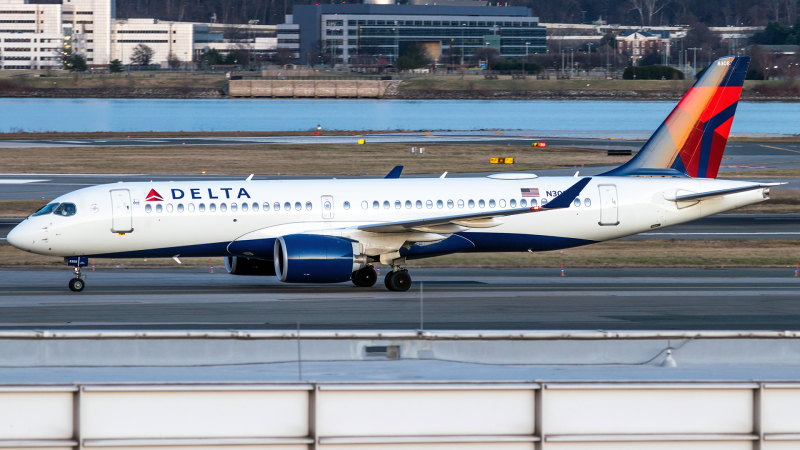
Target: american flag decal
{"x": 529, "y": 192}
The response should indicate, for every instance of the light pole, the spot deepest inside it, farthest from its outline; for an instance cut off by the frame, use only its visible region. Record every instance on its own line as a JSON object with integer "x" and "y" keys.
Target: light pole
{"x": 694, "y": 64}
{"x": 462, "y": 43}
{"x": 590, "y": 58}
{"x": 526, "y": 57}
{"x": 396, "y": 41}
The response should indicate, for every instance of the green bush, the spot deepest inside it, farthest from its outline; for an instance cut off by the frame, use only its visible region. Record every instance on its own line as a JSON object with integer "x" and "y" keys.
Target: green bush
{"x": 516, "y": 66}
{"x": 652, "y": 73}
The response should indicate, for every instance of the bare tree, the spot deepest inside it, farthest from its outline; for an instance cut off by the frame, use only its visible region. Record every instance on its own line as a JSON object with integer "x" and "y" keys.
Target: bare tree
{"x": 653, "y": 8}
{"x": 142, "y": 55}
{"x": 174, "y": 62}
{"x": 283, "y": 56}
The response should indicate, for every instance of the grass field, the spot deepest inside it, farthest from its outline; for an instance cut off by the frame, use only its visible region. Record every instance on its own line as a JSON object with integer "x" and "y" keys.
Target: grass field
{"x": 651, "y": 253}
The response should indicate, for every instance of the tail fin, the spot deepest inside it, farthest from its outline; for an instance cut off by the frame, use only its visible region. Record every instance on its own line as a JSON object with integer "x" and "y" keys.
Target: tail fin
{"x": 692, "y": 139}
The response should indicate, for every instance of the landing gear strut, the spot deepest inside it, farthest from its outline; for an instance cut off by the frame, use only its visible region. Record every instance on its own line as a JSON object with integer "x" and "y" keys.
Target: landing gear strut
{"x": 77, "y": 284}
{"x": 365, "y": 277}
{"x": 397, "y": 280}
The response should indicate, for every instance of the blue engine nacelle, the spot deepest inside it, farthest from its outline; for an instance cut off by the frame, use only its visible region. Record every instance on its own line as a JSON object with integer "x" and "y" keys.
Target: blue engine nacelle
{"x": 310, "y": 258}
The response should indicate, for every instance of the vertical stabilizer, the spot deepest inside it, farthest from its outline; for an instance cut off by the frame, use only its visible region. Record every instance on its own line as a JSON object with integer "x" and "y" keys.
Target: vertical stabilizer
{"x": 692, "y": 139}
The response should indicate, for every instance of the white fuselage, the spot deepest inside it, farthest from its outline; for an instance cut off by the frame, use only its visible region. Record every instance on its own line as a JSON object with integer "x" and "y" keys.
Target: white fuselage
{"x": 185, "y": 223}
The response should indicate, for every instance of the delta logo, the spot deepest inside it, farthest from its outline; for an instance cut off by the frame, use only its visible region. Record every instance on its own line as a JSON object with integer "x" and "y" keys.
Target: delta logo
{"x": 154, "y": 196}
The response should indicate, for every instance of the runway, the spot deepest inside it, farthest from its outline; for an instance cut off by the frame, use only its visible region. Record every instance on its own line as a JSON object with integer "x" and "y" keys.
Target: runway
{"x": 534, "y": 299}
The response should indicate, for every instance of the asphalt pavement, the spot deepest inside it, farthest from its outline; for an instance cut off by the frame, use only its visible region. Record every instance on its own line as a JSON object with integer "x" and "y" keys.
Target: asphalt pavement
{"x": 530, "y": 299}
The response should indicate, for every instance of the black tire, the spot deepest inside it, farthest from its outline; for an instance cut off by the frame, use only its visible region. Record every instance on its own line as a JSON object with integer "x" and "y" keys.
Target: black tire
{"x": 399, "y": 282}
{"x": 387, "y": 280}
{"x": 365, "y": 277}
{"x": 76, "y": 285}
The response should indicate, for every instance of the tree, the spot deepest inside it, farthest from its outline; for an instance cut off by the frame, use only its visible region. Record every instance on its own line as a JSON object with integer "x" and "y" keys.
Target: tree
{"x": 283, "y": 56}
{"x": 489, "y": 54}
{"x": 77, "y": 64}
{"x": 412, "y": 58}
{"x": 174, "y": 62}
{"x": 115, "y": 66}
{"x": 142, "y": 55}
{"x": 212, "y": 58}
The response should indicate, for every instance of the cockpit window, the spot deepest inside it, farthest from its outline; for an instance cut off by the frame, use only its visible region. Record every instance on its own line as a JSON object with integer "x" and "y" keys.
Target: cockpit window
{"x": 66, "y": 209}
{"x": 46, "y": 210}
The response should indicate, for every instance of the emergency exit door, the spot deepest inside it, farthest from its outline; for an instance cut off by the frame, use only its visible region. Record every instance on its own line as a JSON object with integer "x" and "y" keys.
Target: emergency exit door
{"x": 327, "y": 207}
{"x": 609, "y": 210}
{"x": 121, "y": 211}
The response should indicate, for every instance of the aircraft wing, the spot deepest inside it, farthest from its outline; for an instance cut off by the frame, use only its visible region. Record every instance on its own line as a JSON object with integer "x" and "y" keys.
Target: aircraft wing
{"x": 689, "y": 197}
{"x": 483, "y": 219}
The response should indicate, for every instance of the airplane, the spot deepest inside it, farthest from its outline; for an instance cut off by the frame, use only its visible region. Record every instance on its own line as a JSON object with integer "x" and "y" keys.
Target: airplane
{"x": 332, "y": 231}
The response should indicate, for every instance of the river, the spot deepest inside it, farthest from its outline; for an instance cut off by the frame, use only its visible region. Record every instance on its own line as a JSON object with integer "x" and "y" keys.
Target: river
{"x": 87, "y": 115}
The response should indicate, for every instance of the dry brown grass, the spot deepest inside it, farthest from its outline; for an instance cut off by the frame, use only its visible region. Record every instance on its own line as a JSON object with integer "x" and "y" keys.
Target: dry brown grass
{"x": 21, "y": 208}
{"x": 294, "y": 159}
{"x": 651, "y": 253}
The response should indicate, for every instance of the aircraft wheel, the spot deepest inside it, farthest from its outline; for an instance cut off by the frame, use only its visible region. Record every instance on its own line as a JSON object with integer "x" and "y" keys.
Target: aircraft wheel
{"x": 76, "y": 285}
{"x": 399, "y": 281}
{"x": 365, "y": 277}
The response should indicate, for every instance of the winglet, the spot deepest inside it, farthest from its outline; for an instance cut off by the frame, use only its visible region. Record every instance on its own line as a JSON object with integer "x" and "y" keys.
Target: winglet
{"x": 567, "y": 197}
{"x": 395, "y": 173}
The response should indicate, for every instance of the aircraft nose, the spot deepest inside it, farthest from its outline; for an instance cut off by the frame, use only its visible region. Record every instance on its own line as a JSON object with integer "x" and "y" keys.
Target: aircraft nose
{"x": 17, "y": 236}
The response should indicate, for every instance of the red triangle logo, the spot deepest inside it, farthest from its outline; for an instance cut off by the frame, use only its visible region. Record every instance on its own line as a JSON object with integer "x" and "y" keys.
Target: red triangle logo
{"x": 154, "y": 196}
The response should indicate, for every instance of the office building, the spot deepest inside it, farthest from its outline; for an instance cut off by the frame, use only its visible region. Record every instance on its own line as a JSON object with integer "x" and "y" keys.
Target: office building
{"x": 30, "y": 35}
{"x": 345, "y": 33}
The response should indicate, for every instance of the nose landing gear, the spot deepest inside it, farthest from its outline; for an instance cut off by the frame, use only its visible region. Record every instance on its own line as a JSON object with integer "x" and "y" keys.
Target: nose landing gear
{"x": 397, "y": 280}
{"x": 77, "y": 284}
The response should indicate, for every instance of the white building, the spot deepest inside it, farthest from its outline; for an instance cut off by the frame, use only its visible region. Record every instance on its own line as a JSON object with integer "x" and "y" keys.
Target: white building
{"x": 90, "y": 21}
{"x": 30, "y": 35}
{"x": 165, "y": 38}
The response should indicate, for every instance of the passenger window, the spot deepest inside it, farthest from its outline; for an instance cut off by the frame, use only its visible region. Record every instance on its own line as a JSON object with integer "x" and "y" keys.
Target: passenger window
{"x": 308, "y": 206}
{"x": 276, "y": 206}
{"x": 491, "y": 203}
{"x": 191, "y": 207}
{"x": 577, "y": 202}
{"x": 364, "y": 205}
{"x": 587, "y": 202}
{"x": 419, "y": 204}
{"x": 47, "y": 209}
{"x": 148, "y": 208}
{"x": 481, "y": 203}
{"x": 212, "y": 207}
{"x": 429, "y": 204}
{"x": 502, "y": 203}
{"x": 297, "y": 206}
{"x": 471, "y": 203}
{"x": 544, "y": 201}
{"x": 450, "y": 204}
{"x": 265, "y": 206}
{"x": 255, "y": 206}
{"x": 386, "y": 204}
{"x": 397, "y": 204}
{"x": 512, "y": 203}
{"x": 439, "y": 204}
{"x": 180, "y": 207}
{"x": 159, "y": 208}
{"x": 202, "y": 207}
{"x": 375, "y": 205}
{"x": 408, "y": 204}
{"x": 346, "y": 205}
{"x": 287, "y": 206}
{"x": 223, "y": 207}
{"x": 245, "y": 207}
{"x": 460, "y": 204}
{"x": 169, "y": 207}
{"x": 234, "y": 207}
{"x": 524, "y": 203}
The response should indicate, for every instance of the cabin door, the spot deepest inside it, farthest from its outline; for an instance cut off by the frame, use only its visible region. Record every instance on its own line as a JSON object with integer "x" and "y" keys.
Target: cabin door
{"x": 121, "y": 211}
{"x": 609, "y": 210}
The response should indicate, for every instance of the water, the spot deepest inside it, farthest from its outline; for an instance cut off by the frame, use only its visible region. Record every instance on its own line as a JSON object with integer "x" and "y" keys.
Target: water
{"x": 295, "y": 115}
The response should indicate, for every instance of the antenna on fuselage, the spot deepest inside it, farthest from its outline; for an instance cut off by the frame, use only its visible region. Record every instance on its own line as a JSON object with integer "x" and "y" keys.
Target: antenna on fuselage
{"x": 443, "y": 175}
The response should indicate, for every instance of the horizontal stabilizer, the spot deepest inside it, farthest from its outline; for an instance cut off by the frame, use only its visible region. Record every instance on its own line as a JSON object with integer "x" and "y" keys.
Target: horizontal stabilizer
{"x": 475, "y": 220}
{"x": 710, "y": 194}
{"x": 395, "y": 173}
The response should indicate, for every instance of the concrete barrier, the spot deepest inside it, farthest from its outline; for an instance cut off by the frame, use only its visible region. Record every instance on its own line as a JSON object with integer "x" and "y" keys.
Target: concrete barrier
{"x": 307, "y": 88}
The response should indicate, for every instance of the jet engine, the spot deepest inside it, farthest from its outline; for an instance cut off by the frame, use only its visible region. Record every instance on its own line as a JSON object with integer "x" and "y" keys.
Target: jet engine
{"x": 237, "y": 265}
{"x": 310, "y": 258}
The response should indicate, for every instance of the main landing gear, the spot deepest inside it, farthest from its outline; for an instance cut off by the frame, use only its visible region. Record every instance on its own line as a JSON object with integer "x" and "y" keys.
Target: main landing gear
{"x": 77, "y": 284}
{"x": 365, "y": 277}
{"x": 397, "y": 280}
